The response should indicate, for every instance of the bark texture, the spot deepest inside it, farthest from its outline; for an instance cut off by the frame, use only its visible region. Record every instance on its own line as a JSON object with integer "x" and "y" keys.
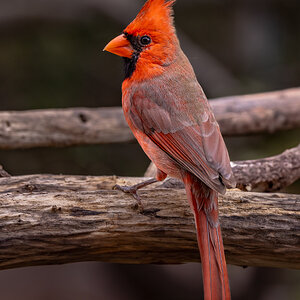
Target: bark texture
{"x": 62, "y": 127}
{"x": 49, "y": 219}
{"x": 258, "y": 113}
{"x": 239, "y": 115}
{"x": 268, "y": 174}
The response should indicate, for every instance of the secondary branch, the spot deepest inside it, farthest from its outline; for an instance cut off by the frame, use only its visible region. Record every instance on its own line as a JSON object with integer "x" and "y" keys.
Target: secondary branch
{"x": 238, "y": 115}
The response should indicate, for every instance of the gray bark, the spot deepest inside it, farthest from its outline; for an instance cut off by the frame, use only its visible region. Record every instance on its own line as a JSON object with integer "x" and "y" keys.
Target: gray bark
{"x": 49, "y": 219}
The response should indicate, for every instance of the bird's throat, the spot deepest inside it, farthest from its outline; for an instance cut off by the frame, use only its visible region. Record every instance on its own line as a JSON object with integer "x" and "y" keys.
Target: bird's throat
{"x": 130, "y": 64}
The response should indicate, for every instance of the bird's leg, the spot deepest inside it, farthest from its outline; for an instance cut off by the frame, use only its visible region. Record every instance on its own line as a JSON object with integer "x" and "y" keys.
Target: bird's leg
{"x": 134, "y": 188}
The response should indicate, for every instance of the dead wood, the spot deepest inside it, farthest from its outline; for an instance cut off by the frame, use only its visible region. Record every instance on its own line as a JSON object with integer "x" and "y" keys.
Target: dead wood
{"x": 50, "y": 219}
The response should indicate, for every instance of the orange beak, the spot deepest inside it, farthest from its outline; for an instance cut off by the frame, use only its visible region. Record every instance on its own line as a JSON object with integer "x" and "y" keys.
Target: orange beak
{"x": 119, "y": 46}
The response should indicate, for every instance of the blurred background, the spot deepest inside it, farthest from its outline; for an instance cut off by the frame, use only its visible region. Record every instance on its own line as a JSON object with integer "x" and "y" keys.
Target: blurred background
{"x": 51, "y": 57}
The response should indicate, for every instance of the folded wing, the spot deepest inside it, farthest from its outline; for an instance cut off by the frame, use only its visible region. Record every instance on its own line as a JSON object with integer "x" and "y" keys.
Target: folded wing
{"x": 186, "y": 130}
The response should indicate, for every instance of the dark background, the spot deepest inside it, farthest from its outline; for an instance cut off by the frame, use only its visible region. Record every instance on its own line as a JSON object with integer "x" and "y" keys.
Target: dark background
{"x": 51, "y": 57}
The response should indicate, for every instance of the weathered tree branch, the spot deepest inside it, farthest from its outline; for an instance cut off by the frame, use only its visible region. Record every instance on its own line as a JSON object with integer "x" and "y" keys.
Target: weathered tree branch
{"x": 238, "y": 115}
{"x": 260, "y": 175}
{"x": 268, "y": 174}
{"x": 49, "y": 219}
{"x": 258, "y": 113}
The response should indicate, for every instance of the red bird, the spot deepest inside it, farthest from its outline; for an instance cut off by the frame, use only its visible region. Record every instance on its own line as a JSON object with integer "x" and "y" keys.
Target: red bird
{"x": 168, "y": 113}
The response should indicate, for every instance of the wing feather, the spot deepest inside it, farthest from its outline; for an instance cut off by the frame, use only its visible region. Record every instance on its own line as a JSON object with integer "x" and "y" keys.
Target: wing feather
{"x": 184, "y": 127}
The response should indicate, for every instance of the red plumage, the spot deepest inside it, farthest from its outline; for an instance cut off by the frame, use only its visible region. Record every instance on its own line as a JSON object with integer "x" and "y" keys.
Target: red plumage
{"x": 169, "y": 115}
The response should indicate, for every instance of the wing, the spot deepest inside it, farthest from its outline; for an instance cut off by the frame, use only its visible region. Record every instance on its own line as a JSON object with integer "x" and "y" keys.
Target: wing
{"x": 182, "y": 124}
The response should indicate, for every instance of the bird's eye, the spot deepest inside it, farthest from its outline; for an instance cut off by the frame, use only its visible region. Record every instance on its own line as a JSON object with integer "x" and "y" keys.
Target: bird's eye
{"x": 145, "y": 40}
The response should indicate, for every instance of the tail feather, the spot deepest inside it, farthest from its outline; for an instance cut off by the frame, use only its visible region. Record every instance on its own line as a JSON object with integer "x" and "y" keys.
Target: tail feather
{"x": 204, "y": 202}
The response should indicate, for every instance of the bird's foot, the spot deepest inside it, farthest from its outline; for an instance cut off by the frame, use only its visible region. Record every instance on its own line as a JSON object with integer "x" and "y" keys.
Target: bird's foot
{"x": 133, "y": 191}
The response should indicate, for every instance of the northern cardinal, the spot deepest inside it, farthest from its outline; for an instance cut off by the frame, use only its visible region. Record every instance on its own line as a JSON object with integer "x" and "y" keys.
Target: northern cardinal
{"x": 168, "y": 113}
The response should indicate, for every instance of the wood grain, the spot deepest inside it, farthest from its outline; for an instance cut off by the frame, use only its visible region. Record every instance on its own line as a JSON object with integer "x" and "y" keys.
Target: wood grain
{"x": 51, "y": 219}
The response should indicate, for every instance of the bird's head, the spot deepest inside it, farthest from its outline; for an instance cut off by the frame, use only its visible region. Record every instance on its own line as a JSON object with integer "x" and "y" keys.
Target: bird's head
{"x": 149, "y": 42}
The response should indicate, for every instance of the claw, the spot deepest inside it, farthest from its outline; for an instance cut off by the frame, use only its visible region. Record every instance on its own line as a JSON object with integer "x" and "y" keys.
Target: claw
{"x": 133, "y": 191}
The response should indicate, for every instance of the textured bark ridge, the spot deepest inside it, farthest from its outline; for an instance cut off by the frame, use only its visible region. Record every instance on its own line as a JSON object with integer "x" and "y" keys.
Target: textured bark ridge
{"x": 268, "y": 174}
{"x": 238, "y": 115}
{"x": 48, "y": 219}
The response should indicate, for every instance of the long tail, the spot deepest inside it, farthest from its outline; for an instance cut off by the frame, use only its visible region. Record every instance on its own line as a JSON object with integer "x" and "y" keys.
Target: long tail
{"x": 204, "y": 202}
